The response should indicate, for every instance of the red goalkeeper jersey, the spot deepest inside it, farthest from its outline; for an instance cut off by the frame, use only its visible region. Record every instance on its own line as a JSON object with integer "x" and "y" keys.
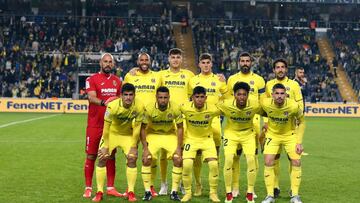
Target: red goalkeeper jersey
{"x": 105, "y": 86}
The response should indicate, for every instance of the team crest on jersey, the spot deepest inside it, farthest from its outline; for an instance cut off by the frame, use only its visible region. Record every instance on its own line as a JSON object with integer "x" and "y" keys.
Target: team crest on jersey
{"x": 170, "y": 116}
{"x": 252, "y": 82}
{"x": 248, "y": 113}
{"x": 182, "y": 76}
{"x": 286, "y": 113}
{"x": 251, "y": 89}
{"x": 153, "y": 80}
{"x": 133, "y": 114}
{"x": 207, "y": 116}
{"x": 213, "y": 83}
{"x": 114, "y": 83}
{"x": 287, "y": 88}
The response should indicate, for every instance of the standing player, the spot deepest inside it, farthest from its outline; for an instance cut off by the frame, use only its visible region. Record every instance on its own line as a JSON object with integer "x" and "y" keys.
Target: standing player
{"x": 146, "y": 82}
{"x": 101, "y": 88}
{"x": 257, "y": 88}
{"x": 215, "y": 89}
{"x": 121, "y": 129}
{"x": 239, "y": 130}
{"x": 158, "y": 132}
{"x": 293, "y": 91}
{"x": 176, "y": 79}
{"x": 302, "y": 81}
{"x": 285, "y": 128}
{"x": 199, "y": 137}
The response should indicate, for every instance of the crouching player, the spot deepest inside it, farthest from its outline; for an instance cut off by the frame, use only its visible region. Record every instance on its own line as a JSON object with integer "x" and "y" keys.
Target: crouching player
{"x": 284, "y": 114}
{"x": 239, "y": 113}
{"x": 158, "y": 132}
{"x": 199, "y": 137}
{"x": 119, "y": 132}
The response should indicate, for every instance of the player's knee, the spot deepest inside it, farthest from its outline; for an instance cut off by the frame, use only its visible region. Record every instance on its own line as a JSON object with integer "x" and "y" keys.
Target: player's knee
{"x": 147, "y": 162}
{"x": 296, "y": 162}
{"x": 91, "y": 156}
{"x": 269, "y": 161}
{"x": 250, "y": 161}
{"x": 131, "y": 160}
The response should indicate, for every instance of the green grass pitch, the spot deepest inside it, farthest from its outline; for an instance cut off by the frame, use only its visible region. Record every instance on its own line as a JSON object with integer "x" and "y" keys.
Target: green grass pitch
{"x": 42, "y": 161}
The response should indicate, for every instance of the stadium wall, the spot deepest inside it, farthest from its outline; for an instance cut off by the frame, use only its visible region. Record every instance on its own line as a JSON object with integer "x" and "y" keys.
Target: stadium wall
{"x": 81, "y": 106}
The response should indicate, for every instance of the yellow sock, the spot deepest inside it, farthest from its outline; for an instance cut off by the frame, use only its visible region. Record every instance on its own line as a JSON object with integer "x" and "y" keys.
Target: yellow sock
{"x": 146, "y": 176}
{"x": 131, "y": 174}
{"x": 153, "y": 171}
{"x": 228, "y": 172}
{"x": 176, "y": 177}
{"x": 197, "y": 169}
{"x": 213, "y": 176}
{"x": 163, "y": 166}
{"x": 276, "y": 173}
{"x": 295, "y": 179}
{"x": 236, "y": 173}
{"x": 100, "y": 178}
{"x": 269, "y": 180}
{"x": 251, "y": 172}
{"x": 187, "y": 175}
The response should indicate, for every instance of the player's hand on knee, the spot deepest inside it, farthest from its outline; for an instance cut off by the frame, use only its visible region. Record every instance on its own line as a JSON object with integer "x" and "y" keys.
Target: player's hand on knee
{"x": 299, "y": 148}
{"x": 133, "y": 153}
{"x": 178, "y": 153}
{"x": 103, "y": 153}
{"x": 146, "y": 157}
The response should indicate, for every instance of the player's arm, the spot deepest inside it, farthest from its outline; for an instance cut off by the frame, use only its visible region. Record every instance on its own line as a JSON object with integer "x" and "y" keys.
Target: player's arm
{"x": 146, "y": 152}
{"x": 180, "y": 138}
{"x": 298, "y": 96}
{"x": 104, "y": 145}
{"x": 300, "y": 130}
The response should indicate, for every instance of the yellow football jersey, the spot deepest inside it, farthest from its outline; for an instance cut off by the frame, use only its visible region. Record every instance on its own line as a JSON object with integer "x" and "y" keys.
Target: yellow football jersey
{"x": 292, "y": 89}
{"x": 256, "y": 82}
{"x": 239, "y": 119}
{"x": 198, "y": 121}
{"x": 177, "y": 83}
{"x": 214, "y": 87}
{"x": 282, "y": 120}
{"x": 162, "y": 122}
{"x": 145, "y": 84}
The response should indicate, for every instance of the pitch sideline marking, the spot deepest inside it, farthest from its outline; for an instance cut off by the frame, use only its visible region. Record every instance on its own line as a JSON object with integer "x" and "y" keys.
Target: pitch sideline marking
{"x": 28, "y": 120}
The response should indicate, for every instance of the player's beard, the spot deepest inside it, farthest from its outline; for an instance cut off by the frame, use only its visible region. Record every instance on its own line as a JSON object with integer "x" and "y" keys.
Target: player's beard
{"x": 280, "y": 76}
{"x": 245, "y": 69}
{"x": 144, "y": 67}
{"x": 106, "y": 69}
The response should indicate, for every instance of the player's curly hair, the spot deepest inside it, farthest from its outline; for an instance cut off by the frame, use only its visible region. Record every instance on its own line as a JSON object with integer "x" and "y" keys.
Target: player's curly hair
{"x": 241, "y": 85}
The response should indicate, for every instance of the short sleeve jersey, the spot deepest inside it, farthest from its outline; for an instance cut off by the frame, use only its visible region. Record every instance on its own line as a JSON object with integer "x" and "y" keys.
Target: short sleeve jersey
{"x": 239, "y": 119}
{"x": 214, "y": 87}
{"x": 121, "y": 118}
{"x": 256, "y": 83}
{"x": 145, "y": 84}
{"x": 105, "y": 86}
{"x": 282, "y": 120}
{"x": 162, "y": 122}
{"x": 177, "y": 83}
{"x": 198, "y": 121}
{"x": 292, "y": 89}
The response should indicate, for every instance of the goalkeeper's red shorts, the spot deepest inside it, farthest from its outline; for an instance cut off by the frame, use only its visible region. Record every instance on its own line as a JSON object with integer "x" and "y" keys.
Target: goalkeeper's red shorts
{"x": 93, "y": 137}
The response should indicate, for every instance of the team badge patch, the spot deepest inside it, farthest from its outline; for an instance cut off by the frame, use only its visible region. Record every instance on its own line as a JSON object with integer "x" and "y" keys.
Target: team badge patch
{"x": 134, "y": 113}
{"x": 213, "y": 84}
{"x": 248, "y": 113}
{"x": 170, "y": 116}
{"x": 207, "y": 116}
{"x": 182, "y": 76}
{"x": 114, "y": 83}
{"x": 153, "y": 80}
{"x": 107, "y": 114}
{"x": 251, "y": 89}
{"x": 287, "y": 88}
{"x": 252, "y": 82}
{"x": 286, "y": 113}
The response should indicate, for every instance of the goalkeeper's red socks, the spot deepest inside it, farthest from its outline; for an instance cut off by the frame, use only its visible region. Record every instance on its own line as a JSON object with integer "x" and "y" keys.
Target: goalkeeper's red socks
{"x": 110, "y": 172}
{"x": 89, "y": 171}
